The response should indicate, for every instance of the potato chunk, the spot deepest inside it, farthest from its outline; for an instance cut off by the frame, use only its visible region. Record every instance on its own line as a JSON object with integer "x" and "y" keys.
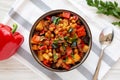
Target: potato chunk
{"x": 34, "y": 47}
{"x": 40, "y": 25}
{"x": 76, "y": 57}
{"x": 46, "y": 56}
{"x": 40, "y": 56}
{"x": 85, "y": 48}
{"x": 69, "y": 61}
{"x": 58, "y": 64}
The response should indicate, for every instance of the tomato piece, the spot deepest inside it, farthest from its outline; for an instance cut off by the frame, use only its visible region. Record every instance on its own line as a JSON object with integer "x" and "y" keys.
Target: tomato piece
{"x": 46, "y": 62}
{"x": 75, "y": 17}
{"x": 66, "y": 66}
{"x": 50, "y": 42}
{"x": 42, "y": 32}
{"x": 50, "y": 47}
{"x": 61, "y": 34}
{"x": 66, "y": 14}
{"x": 81, "y": 45}
{"x": 48, "y": 18}
{"x": 52, "y": 27}
{"x": 36, "y": 38}
{"x": 43, "y": 47}
{"x": 81, "y": 31}
{"x": 69, "y": 51}
{"x": 78, "y": 26}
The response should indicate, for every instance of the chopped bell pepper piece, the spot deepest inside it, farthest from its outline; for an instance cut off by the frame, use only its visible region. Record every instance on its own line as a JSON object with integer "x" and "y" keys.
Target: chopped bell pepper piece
{"x": 66, "y": 14}
{"x": 81, "y": 31}
{"x": 43, "y": 47}
{"x": 69, "y": 51}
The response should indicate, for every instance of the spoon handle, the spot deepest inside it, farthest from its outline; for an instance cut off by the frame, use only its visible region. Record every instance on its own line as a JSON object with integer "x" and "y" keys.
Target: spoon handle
{"x": 95, "y": 77}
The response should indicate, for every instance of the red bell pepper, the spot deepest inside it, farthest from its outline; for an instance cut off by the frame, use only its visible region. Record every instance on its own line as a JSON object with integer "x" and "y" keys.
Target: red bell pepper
{"x": 10, "y": 41}
{"x": 48, "y": 18}
{"x": 75, "y": 17}
{"x": 66, "y": 15}
{"x": 69, "y": 51}
{"x": 81, "y": 31}
{"x": 46, "y": 62}
{"x": 43, "y": 47}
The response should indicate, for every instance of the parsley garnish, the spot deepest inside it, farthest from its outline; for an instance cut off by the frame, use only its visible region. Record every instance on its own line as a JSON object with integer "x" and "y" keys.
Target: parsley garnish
{"x": 116, "y": 23}
{"x": 55, "y": 57}
{"x": 107, "y": 8}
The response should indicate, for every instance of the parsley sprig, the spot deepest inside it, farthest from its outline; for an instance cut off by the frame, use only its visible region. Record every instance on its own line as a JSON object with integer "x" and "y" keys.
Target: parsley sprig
{"x": 116, "y": 23}
{"x": 107, "y": 8}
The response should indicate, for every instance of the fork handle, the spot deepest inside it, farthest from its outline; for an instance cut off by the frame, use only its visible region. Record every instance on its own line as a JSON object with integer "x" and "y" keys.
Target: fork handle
{"x": 95, "y": 77}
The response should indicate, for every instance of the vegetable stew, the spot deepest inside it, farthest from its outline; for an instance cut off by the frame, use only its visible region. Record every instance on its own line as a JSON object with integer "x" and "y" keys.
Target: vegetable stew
{"x": 60, "y": 40}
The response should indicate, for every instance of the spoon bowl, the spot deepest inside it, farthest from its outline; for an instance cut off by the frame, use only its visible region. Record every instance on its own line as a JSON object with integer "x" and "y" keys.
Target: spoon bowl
{"x": 105, "y": 39}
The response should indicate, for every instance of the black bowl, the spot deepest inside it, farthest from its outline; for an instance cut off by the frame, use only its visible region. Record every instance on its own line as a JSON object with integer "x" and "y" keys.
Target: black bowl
{"x": 52, "y": 13}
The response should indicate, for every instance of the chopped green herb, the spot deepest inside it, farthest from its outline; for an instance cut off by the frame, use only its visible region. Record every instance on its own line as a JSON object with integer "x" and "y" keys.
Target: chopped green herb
{"x": 69, "y": 40}
{"x": 55, "y": 41}
{"x": 65, "y": 59}
{"x": 70, "y": 30}
{"x": 40, "y": 44}
{"x": 55, "y": 57}
{"x": 63, "y": 46}
{"x": 74, "y": 39}
{"x": 74, "y": 44}
{"x": 54, "y": 46}
{"x": 72, "y": 55}
{"x": 55, "y": 19}
{"x": 60, "y": 38}
{"x": 66, "y": 37}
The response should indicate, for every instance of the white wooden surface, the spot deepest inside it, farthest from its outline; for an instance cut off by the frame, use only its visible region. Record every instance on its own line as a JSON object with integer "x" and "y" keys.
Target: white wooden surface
{"x": 13, "y": 70}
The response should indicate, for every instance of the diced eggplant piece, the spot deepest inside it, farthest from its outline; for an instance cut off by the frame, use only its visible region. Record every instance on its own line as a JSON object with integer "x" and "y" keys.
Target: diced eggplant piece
{"x": 86, "y": 39}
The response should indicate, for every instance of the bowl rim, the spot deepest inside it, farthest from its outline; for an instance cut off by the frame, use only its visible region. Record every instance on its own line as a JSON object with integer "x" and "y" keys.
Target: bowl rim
{"x": 51, "y": 13}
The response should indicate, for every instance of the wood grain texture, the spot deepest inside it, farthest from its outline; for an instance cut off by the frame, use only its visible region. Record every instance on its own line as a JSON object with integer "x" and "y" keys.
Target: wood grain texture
{"x": 13, "y": 70}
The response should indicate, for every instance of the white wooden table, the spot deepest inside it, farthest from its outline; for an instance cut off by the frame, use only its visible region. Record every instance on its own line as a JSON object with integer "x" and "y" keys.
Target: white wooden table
{"x": 13, "y": 70}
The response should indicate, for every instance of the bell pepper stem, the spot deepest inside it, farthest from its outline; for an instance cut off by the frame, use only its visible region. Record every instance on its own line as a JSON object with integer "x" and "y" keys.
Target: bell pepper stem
{"x": 14, "y": 28}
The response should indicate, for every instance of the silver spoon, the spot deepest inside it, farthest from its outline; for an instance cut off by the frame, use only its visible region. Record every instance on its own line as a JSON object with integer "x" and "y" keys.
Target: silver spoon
{"x": 105, "y": 39}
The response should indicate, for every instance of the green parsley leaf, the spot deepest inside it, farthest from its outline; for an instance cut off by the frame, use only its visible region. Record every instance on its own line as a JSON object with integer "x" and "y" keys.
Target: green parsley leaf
{"x": 116, "y": 23}
{"x": 107, "y": 8}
